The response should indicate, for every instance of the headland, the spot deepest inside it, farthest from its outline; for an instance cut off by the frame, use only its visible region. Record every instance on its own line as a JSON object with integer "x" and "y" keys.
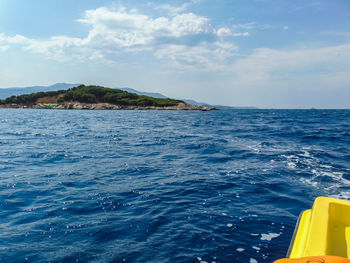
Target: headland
{"x": 96, "y": 98}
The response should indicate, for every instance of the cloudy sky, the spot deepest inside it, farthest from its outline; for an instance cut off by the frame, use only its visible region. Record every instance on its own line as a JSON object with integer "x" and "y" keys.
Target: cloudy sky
{"x": 264, "y": 53}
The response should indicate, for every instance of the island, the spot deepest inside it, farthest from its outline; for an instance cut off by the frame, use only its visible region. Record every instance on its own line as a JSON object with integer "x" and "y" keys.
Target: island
{"x": 95, "y": 98}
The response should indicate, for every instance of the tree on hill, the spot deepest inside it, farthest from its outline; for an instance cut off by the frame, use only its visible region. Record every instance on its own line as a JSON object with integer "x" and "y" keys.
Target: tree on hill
{"x": 93, "y": 94}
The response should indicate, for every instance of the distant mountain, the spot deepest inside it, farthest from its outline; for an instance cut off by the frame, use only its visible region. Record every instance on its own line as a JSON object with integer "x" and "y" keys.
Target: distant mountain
{"x": 159, "y": 95}
{"x": 193, "y": 102}
{"x": 8, "y": 92}
{"x": 150, "y": 94}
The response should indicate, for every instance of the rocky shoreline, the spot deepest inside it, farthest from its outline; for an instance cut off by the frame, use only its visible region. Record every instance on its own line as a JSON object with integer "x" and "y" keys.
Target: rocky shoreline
{"x": 107, "y": 106}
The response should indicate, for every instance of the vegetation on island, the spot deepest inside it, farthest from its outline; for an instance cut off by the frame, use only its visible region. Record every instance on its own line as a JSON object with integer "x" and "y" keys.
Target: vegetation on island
{"x": 30, "y": 99}
{"x": 92, "y": 94}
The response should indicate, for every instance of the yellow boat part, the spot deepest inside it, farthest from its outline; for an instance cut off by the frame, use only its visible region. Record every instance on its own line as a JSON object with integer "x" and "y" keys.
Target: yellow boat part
{"x": 322, "y": 259}
{"x": 323, "y": 230}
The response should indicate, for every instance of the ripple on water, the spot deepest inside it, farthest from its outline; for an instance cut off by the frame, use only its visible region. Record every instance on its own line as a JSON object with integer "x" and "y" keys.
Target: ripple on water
{"x": 163, "y": 186}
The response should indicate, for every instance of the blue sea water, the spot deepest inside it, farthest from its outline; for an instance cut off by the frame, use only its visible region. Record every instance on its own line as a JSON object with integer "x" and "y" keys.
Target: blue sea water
{"x": 164, "y": 186}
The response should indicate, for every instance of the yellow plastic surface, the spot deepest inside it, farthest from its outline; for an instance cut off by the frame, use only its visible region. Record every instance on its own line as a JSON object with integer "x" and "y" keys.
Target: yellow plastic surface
{"x": 321, "y": 259}
{"x": 323, "y": 230}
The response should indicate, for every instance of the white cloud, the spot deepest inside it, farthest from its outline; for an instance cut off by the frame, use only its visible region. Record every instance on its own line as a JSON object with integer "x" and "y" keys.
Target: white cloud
{"x": 51, "y": 48}
{"x": 205, "y": 57}
{"x": 275, "y": 76}
{"x": 285, "y": 28}
{"x": 246, "y": 26}
{"x": 250, "y": 26}
{"x": 115, "y": 32}
{"x": 223, "y": 32}
{"x": 60, "y": 48}
{"x": 17, "y": 39}
{"x": 268, "y": 60}
{"x": 226, "y": 32}
{"x": 4, "y": 48}
{"x": 173, "y": 10}
{"x": 240, "y": 34}
{"x": 132, "y": 29}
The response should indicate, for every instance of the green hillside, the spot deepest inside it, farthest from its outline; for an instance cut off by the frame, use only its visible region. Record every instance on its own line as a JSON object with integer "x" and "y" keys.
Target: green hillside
{"x": 92, "y": 94}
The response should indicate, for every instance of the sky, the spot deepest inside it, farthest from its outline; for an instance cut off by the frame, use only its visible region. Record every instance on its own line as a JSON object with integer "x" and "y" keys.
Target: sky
{"x": 261, "y": 53}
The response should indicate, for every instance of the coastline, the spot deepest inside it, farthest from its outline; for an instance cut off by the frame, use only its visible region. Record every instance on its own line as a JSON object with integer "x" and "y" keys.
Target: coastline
{"x": 73, "y": 105}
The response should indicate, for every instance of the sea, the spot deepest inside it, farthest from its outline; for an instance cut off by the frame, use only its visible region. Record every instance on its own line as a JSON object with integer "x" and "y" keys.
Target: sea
{"x": 164, "y": 186}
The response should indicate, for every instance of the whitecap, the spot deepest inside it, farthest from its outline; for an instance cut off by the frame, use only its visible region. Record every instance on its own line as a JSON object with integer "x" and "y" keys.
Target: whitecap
{"x": 309, "y": 181}
{"x": 269, "y": 236}
{"x": 256, "y": 248}
{"x": 292, "y": 165}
